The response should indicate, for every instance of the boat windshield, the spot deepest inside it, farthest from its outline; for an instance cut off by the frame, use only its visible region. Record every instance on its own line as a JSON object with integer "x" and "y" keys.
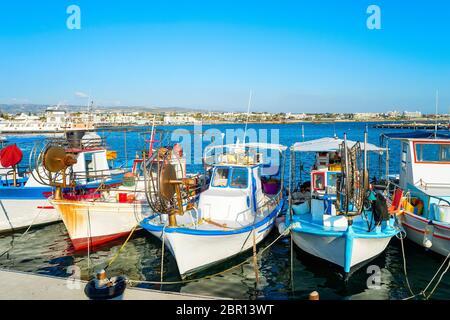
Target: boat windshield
{"x": 220, "y": 178}
{"x": 432, "y": 152}
{"x": 239, "y": 178}
{"x": 230, "y": 177}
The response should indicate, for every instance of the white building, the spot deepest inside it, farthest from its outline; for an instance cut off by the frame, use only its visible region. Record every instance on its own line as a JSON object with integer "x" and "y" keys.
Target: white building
{"x": 365, "y": 115}
{"x": 178, "y": 119}
{"x": 413, "y": 114}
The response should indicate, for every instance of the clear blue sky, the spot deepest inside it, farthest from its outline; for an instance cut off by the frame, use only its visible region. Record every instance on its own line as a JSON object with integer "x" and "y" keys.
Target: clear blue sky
{"x": 296, "y": 56}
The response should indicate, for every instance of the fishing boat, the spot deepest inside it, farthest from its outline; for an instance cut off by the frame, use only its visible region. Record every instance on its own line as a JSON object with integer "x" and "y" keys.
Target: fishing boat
{"x": 235, "y": 212}
{"x": 108, "y": 214}
{"x": 421, "y": 196}
{"x": 335, "y": 216}
{"x": 24, "y": 195}
{"x": 112, "y": 213}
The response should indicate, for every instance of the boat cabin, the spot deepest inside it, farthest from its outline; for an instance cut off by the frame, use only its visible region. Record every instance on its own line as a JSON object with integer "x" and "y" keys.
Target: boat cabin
{"x": 92, "y": 161}
{"x": 240, "y": 181}
{"x": 424, "y": 174}
{"x": 318, "y": 195}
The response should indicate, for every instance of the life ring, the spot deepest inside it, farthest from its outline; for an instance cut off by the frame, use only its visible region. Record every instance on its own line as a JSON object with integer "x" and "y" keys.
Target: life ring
{"x": 116, "y": 289}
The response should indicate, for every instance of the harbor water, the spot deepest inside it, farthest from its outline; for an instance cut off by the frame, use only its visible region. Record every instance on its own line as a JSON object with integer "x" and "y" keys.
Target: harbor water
{"x": 48, "y": 250}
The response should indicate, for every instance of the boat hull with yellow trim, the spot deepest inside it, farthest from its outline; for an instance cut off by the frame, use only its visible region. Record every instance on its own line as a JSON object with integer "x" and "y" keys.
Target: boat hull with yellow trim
{"x": 93, "y": 223}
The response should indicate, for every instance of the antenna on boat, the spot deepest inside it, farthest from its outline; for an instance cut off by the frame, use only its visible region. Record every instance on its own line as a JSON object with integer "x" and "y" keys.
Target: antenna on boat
{"x": 248, "y": 114}
{"x": 436, "y": 114}
{"x": 303, "y": 132}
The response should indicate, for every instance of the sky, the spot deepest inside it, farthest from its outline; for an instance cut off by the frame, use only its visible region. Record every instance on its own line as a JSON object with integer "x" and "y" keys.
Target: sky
{"x": 294, "y": 56}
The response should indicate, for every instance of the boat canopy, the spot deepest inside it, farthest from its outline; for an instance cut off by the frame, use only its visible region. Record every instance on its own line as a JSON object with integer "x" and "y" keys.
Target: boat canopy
{"x": 248, "y": 154}
{"x": 416, "y": 135}
{"x": 330, "y": 145}
{"x": 255, "y": 145}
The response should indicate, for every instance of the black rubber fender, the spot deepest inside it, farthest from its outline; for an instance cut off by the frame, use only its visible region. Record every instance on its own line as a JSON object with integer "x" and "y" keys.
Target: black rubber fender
{"x": 106, "y": 293}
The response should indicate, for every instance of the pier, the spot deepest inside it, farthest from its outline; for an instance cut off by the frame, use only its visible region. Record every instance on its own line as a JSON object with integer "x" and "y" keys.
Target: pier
{"x": 412, "y": 126}
{"x": 18, "y": 285}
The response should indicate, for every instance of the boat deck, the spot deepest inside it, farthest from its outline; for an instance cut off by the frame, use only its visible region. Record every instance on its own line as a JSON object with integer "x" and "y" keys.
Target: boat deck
{"x": 360, "y": 228}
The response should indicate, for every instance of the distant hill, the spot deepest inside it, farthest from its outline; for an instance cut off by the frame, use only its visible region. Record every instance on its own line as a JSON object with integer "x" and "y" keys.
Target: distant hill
{"x": 40, "y": 108}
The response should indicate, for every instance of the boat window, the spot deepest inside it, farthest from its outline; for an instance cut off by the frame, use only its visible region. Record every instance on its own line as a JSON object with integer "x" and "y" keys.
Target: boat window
{"x": 239, "y": 178}
{"x": 319, "y": 181}
{"x": 432, "y": 152}
{"x": 220, "y": 178}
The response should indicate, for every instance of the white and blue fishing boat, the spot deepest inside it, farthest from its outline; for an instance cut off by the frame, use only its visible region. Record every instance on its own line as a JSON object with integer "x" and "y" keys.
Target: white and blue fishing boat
{"x": 335, "y": 216}
{"x": 421, "y": 196}
{"x": 234, "y": 212}
{"x": 24, "y": 195}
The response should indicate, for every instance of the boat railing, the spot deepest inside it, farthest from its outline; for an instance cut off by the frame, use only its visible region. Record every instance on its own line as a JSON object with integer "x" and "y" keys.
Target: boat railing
{"x": 86, "y": 143}
{"x": 275, "y": 200}
{"x": 96, "y": 174}
{"x": 427, "y": 185}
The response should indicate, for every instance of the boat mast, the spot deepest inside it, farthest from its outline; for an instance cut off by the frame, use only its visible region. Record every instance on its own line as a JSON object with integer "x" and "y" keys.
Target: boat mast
{"x": 248, "y": 114}
{"x": 346, "y": 174}
{"x": 152, "y": 138}
{"x": 436, "y": 114}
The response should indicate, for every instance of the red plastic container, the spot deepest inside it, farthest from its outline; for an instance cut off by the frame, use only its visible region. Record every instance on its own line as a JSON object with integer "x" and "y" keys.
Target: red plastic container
{"x": 122, "y": 197}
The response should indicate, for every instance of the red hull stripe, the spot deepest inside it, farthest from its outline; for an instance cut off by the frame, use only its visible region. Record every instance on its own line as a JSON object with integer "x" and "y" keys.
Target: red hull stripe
{"x": 82, "y": 243}
{"x": 46, "y": 207}
{"x": 421, "y": 231}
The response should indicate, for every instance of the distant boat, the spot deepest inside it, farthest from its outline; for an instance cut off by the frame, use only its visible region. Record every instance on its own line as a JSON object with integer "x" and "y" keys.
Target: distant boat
{"x": 56, "y": 121}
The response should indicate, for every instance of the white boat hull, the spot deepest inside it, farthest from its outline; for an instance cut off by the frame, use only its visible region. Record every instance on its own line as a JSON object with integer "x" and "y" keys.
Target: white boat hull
{"x": 415, "y": 229}
{"x": 21, "y": 213}
{"x": 195, "y": 252}
{"x": 333, "y": 249}
{"x": 91, "y": 223}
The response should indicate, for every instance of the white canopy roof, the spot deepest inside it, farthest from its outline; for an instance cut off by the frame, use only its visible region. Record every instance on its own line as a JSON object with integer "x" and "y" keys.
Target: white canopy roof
{"x": 329, "y": 145}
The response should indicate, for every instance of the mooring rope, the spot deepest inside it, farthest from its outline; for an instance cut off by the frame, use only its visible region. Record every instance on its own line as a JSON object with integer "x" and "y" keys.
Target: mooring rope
{"x": 423, "y": 292}
{"x": 401, "y": 235}
{"x": 255, "y": 257}
{"x": 292, "y": 263}
{"x": 22, "y": 235}
{"x": 163, "y": 235}
{"x": 130, "y": 281}
{"x": 123, "y": 246}
{"x": 440, "y": 278}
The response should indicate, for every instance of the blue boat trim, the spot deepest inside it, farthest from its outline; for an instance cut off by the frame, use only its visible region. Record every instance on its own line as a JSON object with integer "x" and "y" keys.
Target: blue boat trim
{"x": 158, "y": 228}
{"x": 37, "y": 193}
{"x": 308, "y": 227}
{"x": 349, "y": 236}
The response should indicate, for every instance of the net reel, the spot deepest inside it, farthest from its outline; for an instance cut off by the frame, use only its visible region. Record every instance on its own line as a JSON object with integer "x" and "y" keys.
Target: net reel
{"x": 52, "y": 164}
{"x": 167, "y": 189}
{"x": 354, "y": 181}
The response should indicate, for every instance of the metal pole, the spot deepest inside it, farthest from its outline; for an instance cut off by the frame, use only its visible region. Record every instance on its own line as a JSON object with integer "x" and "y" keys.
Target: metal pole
{"x": 125, "y": 147}
{"x": 365, "y": 158}
{"x": 290, "y": 184}
{"x": 346, "y": 173}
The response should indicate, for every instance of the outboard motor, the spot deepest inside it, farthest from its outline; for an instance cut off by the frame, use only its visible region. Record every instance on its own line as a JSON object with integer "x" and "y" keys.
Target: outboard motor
{"x": 380, "y": 209}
